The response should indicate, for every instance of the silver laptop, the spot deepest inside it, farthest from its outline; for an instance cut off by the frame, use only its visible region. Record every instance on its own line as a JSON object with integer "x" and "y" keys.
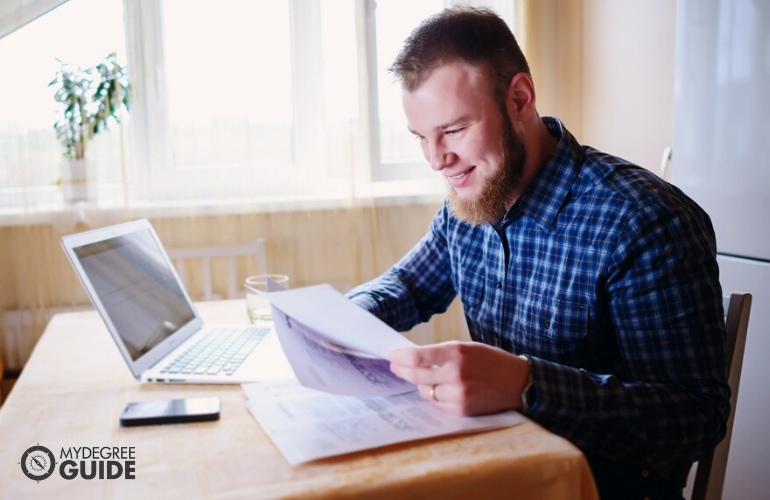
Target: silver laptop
{"x": 132, "y": 283}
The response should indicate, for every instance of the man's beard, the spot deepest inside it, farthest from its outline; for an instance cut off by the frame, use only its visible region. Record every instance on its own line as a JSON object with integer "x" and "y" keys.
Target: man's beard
{"x": 498, "y": 191}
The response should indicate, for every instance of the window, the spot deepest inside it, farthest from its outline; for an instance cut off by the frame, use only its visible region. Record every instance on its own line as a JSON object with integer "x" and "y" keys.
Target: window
{"x": 29, "y": 151}
{"x": 399, "y": 156}
{"x": 232, "y": 99}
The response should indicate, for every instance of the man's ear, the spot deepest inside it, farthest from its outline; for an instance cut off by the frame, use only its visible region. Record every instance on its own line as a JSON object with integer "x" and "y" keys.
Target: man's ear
{"x": 521, "y": 97}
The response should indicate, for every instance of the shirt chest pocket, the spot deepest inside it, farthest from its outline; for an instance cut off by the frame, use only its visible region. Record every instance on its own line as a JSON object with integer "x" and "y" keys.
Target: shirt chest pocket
{"x": 556, "y": 319}
{"x": 471, "y": 288}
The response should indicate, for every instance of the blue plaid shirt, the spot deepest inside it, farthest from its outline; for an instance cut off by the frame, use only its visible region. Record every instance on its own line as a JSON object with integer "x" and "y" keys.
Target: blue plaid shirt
{"x": 606, "y": 276}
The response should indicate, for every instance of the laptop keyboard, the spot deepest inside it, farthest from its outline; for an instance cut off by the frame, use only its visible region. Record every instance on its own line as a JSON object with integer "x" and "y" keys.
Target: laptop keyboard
{"x": 221, "y": 350}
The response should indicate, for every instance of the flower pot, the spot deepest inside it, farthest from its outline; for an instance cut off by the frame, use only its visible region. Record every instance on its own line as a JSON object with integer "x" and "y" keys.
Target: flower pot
{"x": 77, "y": 181}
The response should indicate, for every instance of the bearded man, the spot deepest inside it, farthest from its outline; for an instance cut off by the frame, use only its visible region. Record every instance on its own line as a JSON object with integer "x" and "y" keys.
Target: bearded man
{"x": 590, "y": 286}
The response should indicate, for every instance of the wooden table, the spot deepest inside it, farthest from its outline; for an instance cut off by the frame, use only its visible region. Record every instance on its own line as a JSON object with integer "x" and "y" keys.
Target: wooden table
{"x": 74, "y": 387}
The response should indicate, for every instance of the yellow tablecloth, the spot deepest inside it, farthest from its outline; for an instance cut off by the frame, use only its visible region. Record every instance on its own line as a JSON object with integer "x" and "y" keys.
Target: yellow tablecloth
{"x": 75, "y": 385}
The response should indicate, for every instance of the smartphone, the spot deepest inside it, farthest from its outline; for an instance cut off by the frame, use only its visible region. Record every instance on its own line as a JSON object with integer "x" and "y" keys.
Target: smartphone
{"x": 171, "y": 411}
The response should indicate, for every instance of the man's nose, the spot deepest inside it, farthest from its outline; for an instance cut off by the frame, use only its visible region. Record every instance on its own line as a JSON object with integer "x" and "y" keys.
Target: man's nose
{"x": 438, "y": 155}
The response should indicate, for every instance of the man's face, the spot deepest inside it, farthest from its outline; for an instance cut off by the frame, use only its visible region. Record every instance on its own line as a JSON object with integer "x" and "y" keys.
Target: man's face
{"x": 465, "y": 134}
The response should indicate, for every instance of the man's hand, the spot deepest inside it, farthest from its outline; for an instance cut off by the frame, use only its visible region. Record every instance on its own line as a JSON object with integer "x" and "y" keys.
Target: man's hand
{"x": 464, "y": 378}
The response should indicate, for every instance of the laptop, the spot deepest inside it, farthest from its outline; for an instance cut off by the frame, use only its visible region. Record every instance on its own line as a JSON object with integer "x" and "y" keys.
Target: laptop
{"x": 136, "y": 290}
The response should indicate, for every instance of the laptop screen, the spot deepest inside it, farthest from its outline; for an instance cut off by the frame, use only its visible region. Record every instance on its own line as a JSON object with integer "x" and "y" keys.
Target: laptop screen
{"x": 137, "y": 289}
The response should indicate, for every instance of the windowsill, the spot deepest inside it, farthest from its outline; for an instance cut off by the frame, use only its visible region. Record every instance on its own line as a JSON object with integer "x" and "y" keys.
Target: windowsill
{"x": 385, "y": 193}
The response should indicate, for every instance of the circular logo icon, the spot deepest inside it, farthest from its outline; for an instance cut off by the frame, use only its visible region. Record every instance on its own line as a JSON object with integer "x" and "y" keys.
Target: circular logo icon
{"x": 38, "y": 463}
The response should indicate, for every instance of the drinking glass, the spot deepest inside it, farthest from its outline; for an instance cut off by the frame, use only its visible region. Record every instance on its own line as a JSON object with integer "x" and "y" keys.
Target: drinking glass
{"x": 257, "y": 306}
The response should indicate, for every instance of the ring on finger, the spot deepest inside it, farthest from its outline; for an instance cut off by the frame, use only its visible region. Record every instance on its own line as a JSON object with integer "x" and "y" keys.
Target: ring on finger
{"x": 433, "y": 392}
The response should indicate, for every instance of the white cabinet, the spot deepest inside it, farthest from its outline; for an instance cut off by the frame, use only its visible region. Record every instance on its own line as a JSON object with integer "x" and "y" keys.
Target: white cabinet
{"x": 720, "y": 158}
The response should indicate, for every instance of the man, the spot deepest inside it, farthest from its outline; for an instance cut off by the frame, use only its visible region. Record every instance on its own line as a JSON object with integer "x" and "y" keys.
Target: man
{"x": 590, "y": 286}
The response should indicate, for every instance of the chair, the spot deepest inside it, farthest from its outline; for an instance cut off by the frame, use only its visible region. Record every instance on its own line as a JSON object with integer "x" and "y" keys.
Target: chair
{"x": 2, "y": 378}
{"x": 710, "y": 475}
{"x": 182, "y": 256}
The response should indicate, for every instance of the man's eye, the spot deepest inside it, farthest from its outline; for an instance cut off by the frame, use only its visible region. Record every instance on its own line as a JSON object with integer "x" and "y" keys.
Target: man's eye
{"x": 453, "y": 131}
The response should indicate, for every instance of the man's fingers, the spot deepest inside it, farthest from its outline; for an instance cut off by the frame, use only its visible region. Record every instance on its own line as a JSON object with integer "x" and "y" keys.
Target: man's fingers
{"x": 417, "y": 375}
{"x": 444, "y": 396}
{"x": 425, "y": 356}
{"x": 463, "y": 378}
{"x": 425, "y": 365}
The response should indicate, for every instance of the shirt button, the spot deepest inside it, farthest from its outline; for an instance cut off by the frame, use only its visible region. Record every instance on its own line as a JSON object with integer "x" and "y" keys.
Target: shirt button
{"x": 645, "y": 473}
{"x": 498, "y": 285}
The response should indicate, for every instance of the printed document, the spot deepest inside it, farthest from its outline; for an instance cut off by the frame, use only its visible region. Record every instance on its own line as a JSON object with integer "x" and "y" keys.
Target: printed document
{"x": 344, "y": 398}
{"x": 306, "y": 424}
{"x": 335, "y": 346}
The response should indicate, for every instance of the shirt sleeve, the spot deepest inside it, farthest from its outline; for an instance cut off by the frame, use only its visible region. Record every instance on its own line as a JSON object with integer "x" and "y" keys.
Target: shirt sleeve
{"x": 416, "y": 287}
{"x": 667, "y": 399}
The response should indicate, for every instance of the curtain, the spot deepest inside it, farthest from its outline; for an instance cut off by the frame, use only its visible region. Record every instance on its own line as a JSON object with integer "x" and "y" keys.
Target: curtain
{"x": 347, "y": 201}
{"x": 329, "y": 207}
{"x": 342, "y": 229}
{"x": 551, "y": 35}
{"x": 334, "y": 183}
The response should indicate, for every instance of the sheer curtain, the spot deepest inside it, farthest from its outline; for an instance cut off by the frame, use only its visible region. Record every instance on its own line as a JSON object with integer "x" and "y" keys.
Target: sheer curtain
{"x": 273, "y": 119}
{"x": 376, "y": 195}
{"x": 277, "y": 121}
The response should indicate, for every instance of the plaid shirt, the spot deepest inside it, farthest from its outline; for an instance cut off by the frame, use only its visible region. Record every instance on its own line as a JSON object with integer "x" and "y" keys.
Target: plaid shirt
{"x": 606, "y": 276}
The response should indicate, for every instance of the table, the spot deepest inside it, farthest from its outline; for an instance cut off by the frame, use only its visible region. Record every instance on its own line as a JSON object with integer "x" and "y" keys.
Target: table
{"x": 74, "y": 387}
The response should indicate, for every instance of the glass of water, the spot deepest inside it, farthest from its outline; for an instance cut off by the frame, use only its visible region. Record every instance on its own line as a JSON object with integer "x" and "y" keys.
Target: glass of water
{"x": 257, "y": 305}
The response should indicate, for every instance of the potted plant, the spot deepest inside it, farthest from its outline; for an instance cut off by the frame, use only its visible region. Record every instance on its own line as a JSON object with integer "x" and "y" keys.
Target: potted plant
{"x": 89, "y": 99}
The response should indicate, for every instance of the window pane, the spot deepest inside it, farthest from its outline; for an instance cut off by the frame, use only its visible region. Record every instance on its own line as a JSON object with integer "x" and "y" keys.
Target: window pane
{"x": 340, "y": 83}
{"x": 394, "y": 23}
{"x": 228, "y": 68}
{"x": 29, "y": 150}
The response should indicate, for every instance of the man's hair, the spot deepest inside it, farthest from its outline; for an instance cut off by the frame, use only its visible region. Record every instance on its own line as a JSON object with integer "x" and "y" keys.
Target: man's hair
{"x": 471, "y": 35}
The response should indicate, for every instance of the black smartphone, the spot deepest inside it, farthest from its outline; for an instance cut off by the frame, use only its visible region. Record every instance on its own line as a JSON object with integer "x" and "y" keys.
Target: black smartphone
{"x": 171, "y": 411}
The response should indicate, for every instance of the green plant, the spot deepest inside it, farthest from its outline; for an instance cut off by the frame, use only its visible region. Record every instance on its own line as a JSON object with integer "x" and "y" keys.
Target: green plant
{"x": 89, "y": 99}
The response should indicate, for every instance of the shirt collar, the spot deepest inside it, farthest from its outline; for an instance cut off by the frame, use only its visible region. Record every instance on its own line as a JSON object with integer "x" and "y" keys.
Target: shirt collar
{"x": 545, "y": 196}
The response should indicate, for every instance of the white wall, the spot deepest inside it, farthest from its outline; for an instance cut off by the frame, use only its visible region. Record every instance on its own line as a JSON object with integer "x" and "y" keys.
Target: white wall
{"x": 628, "y": 78}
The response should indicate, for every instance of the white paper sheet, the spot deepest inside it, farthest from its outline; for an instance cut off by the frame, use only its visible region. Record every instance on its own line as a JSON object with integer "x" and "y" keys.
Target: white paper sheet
{"x": 338, "y": 320}
{"x": 320, "y": 365}
{"x": 306, "y": 424}
{"x": 335, "y": 346}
